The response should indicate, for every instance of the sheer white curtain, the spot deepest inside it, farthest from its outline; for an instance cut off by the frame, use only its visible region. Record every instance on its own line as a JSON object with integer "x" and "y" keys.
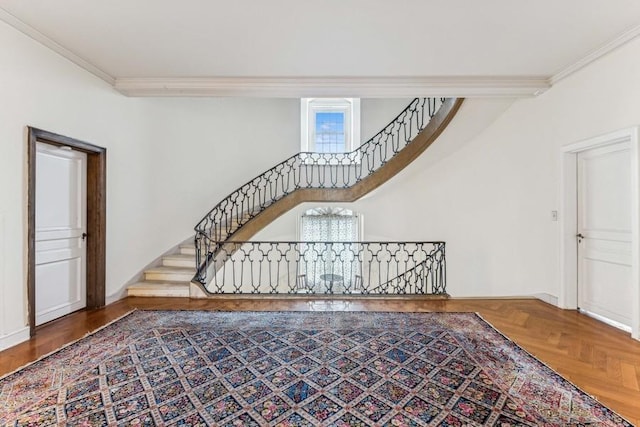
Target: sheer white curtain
{"x": 329, "y": 228}
{"x": 329, "y": 264}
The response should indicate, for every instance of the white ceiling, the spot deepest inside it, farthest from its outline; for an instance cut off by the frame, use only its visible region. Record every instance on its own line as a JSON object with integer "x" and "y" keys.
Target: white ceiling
{"x": 298, "y": 39}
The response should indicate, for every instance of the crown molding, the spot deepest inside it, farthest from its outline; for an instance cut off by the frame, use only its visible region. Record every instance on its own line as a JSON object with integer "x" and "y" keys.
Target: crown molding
{"x": 362, "y": 87}
{"x": 594, "y": 55}
{"x": 54, "y": 46}
{"x": 298, "y": 87}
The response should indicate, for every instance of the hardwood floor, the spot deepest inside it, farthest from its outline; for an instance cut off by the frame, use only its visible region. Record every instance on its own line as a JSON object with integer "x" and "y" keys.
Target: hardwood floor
{"x": 601, "y": 360}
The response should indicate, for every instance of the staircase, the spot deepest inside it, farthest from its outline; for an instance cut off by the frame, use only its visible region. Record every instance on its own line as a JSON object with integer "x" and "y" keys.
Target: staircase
{"x": 304, "y": 177}
{"x": 170, "y": 279}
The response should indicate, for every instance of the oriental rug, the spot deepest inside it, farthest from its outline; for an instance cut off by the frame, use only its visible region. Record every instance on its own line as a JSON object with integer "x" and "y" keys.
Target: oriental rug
{"x": 195, "y": 368}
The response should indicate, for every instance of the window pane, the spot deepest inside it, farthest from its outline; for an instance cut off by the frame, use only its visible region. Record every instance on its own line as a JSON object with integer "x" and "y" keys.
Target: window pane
{"x": 329, "y": 132}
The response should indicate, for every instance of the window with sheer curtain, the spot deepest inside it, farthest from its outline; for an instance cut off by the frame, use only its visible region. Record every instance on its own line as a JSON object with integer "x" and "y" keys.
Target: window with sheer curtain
{"x": 332, "y": 261}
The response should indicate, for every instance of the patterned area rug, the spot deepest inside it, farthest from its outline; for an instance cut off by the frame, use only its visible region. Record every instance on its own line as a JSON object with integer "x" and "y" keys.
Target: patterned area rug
{"x": 295, "y": 369}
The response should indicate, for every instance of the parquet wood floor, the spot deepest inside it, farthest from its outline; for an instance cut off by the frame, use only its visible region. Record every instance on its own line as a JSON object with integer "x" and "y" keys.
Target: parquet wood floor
{"x": 602, "y": 360}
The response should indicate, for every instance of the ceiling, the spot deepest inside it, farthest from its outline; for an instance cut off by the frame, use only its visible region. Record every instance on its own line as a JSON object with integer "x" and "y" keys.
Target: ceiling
{"x": 333, "y": 42}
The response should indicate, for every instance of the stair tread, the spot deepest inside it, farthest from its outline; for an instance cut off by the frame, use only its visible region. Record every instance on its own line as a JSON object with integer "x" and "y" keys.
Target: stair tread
{"x": 156, "y": 288}
{"x": 165, "y": 269}
{"x": 180, "y": 257}
{"x": 145, "y": 284}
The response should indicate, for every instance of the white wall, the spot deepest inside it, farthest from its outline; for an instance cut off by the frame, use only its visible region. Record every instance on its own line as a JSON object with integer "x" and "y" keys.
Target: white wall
{"x": 490, "y": 195}
{"x": 39, "y": 88}
{"x": 168, "y": 160}
{"x": 376, "y": 113}
{"x": 198, "y": 151}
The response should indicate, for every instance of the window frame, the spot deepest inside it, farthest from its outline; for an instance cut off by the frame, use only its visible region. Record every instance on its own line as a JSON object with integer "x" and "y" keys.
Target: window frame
{"x": 349, "y": 106}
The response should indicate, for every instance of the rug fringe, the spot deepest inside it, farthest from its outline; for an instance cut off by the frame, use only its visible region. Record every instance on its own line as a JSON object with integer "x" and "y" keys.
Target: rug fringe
{"x": 571, "y": 383}
{"x": 44, "y": 356}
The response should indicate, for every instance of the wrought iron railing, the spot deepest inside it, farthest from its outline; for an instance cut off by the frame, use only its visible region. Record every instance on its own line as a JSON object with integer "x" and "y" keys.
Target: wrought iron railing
{"x": 309, "y": 171}
{"x": 330, "y": 268}
{"x": 404, "y": 284}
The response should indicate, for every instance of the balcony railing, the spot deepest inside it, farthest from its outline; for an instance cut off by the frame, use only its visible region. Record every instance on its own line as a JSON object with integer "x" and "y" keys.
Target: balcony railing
{"x": 329, "y": 268}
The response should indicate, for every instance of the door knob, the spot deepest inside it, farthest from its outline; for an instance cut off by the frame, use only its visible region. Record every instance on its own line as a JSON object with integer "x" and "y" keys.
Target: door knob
{"x": 579, "y": 236}
{"x": 84, "y": 236}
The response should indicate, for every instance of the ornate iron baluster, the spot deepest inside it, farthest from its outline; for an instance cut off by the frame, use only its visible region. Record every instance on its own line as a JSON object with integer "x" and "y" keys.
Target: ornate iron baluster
{"x": 380, "y": 268}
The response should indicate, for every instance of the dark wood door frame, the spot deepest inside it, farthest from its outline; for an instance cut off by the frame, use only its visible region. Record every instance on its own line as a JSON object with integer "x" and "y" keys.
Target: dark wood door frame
{"x": 96, "y": 217}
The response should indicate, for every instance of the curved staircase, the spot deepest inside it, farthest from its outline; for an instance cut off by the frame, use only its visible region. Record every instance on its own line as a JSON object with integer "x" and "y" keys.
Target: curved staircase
{"x": 304, "y": 177}
{"x": 317, "y": 177}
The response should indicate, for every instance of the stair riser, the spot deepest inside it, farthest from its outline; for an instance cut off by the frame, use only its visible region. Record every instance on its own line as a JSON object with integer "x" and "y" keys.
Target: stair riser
{"x": 188, "y": 251}
{"x": 183, "y": 263}
{"x": 172, "y": 277}
{"x": 159, "y": 292}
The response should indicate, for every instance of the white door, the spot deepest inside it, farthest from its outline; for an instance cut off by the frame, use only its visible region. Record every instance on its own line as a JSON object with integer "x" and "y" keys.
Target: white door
{"x": 61, "y": 182}
{"x": 604, "y": 233}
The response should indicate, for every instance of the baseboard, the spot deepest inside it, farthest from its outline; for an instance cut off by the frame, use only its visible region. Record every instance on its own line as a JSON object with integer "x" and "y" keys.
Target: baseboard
{"x": 14, "y": 338}
{"x": 117, "y": 296}
{"x": 609, "y": 322}
{"x": 548, "y": 298}
{"x": 496, "y": 297}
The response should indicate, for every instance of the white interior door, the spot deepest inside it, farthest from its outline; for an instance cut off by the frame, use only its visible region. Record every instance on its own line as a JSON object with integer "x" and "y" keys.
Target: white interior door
{"x": 605, "y": 233}
{"x": 61, "y": 182}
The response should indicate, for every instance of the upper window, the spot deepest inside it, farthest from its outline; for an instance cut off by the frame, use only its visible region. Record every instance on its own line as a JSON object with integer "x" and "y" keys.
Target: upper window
{"x": 330, "y": 125}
